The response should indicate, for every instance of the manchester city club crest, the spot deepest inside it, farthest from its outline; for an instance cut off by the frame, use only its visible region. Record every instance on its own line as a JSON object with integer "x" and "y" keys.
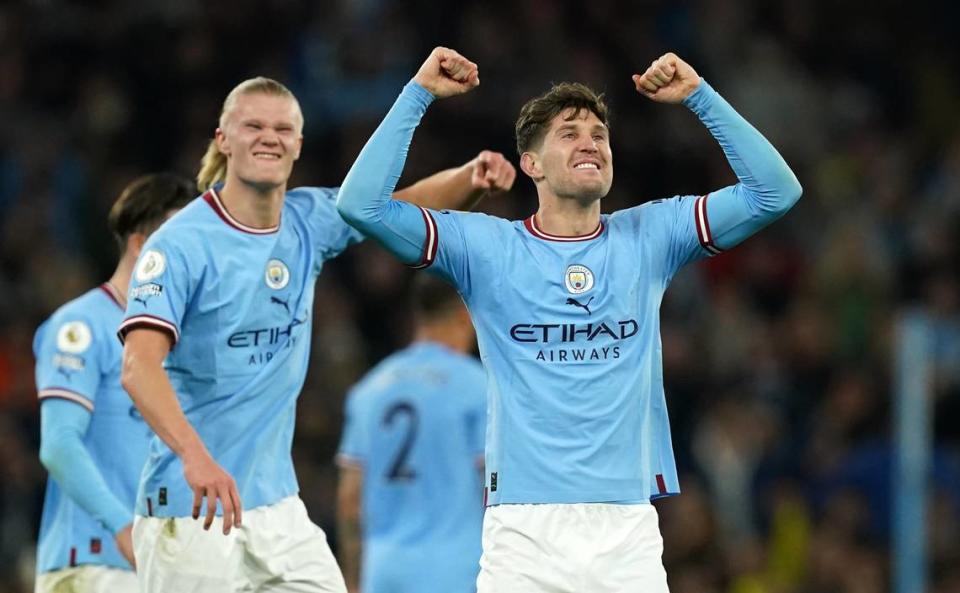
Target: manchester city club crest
{"x": 277, "y": 275}
{"x": 579, "y": 279}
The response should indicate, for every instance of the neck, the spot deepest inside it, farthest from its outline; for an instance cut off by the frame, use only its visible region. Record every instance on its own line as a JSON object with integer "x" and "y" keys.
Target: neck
{"x": 567, "y": 217}
{"x": 253, "y": 206}
{"x": 444, "y": 335}
{"x": 120, "y": 279}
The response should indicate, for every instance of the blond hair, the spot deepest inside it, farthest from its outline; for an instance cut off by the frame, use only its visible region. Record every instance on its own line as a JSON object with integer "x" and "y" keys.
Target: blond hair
{"x": 213, "y": 165}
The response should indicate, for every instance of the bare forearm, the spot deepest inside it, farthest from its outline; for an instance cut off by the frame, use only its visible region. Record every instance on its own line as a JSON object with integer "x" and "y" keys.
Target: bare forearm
{"x": 349, "y": 547}
{"x": 450, "y": 189}
{"x": 151, "y": 391}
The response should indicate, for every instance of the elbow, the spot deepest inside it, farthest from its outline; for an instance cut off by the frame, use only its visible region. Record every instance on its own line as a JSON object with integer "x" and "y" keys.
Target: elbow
{"x": 130, "y": 372}
{"x": 793, "y": 190}
{"x": 52, "y": 453}
{"x": 47, "y": 456}
{"x": 347, "y": 210}
{"x": 788, "y": 192}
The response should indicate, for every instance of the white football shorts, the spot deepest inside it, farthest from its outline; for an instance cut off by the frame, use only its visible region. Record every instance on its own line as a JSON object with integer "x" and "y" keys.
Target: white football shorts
{"x": 277, "y": 549}
{"x": 572, "y": 548}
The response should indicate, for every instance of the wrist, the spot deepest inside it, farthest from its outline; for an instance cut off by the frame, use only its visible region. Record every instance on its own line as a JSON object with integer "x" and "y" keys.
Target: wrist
{"x": 418, "y": 93}
{"x": 192, "y": 449}
{"x": 119, "y": 519}
{"x": 700, "y": 95}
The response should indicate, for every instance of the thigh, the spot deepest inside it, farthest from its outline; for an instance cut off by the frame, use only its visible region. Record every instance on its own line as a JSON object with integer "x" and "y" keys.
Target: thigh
{"x": 64, "y": 580}
{"x": 106, "y": 579}
{"x": 627, "y": 550}
{"x": 287, "y": 553}
{"x": 177, "y": 554}
{"x": 87, "y": 579}
{"x": 521, "y": 553}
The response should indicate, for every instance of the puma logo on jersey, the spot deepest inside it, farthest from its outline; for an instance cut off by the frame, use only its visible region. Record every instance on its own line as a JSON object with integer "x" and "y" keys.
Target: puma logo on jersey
{"x": 279, "y": 301}
{"x": 584, "y": 306}
{"x": 142, "y": 301}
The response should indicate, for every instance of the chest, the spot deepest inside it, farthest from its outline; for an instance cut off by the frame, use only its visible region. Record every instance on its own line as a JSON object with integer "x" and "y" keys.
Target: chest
{"x": 590, "y": 281}
{"x": 258, "y": 289}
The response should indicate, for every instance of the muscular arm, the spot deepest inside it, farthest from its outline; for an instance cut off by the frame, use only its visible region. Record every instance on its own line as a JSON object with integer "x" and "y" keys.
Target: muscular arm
{"x": 349, "y": 544}
{"x": 462, "y": 188}
{"x": 767, "y": 187}
{"x": 62, "y": 451}
{"x": 148, "y": 385}
{"x": 449, "y": 189}
{"x": 365, "y": 200}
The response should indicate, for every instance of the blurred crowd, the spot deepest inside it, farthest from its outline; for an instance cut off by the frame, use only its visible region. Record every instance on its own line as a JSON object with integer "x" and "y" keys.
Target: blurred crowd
{"x": 778, "y": 356}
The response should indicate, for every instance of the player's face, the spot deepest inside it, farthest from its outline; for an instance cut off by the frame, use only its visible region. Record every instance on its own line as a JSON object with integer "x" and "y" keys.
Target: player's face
{"x": 262, "y": 138}
{"x": 575, "y": 158}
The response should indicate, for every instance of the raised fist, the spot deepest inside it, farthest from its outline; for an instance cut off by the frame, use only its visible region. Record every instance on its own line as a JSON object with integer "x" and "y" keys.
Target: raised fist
{"x": 492, "y": 172}
{"x": 446, "y": 73}
{"x": 668, "y": 79}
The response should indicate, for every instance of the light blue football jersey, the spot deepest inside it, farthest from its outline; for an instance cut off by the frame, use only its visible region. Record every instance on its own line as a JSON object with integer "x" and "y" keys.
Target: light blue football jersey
{"x": 78, "y": 359}
{"x": 237, "y": 301}
{"x": 568, "y": 327}
{"x": 416, "y": 424}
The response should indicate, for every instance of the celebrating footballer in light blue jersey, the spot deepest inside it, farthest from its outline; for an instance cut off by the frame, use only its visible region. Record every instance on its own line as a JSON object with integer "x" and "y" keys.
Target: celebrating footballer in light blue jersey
{"x": 237, "y": 303}
{"x": 566, "y": 305}
{"x": 93, "y": 441}
{"x": 217, "y": 345}
{"x": 413, "y": 445}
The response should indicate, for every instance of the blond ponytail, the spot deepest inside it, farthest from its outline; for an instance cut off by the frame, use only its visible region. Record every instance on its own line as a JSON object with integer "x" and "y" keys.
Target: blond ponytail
{"x": 213, "y": 167}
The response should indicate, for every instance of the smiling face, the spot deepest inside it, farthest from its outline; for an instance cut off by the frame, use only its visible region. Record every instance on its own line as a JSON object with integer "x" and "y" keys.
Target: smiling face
{"x": 574, "y": 159}
{"x": 261, "y": 136}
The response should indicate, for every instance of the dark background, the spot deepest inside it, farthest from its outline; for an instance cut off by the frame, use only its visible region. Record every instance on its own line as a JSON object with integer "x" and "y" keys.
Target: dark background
{"x": 778, "y": 355}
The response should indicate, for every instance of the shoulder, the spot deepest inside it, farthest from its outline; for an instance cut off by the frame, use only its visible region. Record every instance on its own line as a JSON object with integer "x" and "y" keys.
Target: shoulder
{"x": 198, "y": 213}
{"x": 471, "y": 366}
{"x": 78, "y": 323}
{"x": 650, "y": 213}
{"x": 316, "y": 209}
{"x": 189, "y": 227}
{"x": 181, "y": 238}
{"x": 464, "y": 368}
{"x": 374, "y": 380}
{"x": 308, "y": 200}
{"x": 477, "y": 222}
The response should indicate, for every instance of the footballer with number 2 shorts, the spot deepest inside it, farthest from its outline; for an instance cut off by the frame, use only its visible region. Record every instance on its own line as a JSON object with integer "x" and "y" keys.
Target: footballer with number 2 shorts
{"x": 566, "y": 305}
{"x": 216, "y": 352}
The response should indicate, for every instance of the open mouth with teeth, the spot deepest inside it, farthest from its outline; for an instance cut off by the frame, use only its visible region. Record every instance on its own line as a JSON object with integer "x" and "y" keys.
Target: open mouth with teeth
{"x": 590, "y": 166}
{"x": 266, "y": 156}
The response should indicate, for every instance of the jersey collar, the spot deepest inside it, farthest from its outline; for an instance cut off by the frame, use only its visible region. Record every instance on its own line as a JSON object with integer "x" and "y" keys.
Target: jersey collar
{"x": 113, "y": 295}
{"x": 213, "y": 198}
{"x": 531, "y": 224}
